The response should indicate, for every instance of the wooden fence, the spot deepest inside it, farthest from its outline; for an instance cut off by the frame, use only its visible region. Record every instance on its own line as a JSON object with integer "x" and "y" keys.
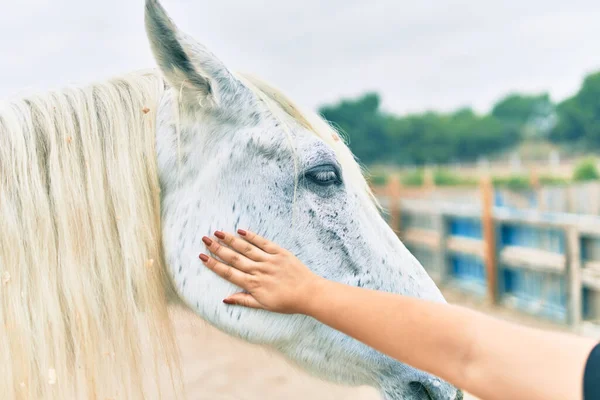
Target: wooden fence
{"x": 543, "y": 263}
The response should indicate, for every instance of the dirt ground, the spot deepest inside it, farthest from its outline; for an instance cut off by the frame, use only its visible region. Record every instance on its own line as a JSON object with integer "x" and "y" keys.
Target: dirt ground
{"x": 218, "y": 367}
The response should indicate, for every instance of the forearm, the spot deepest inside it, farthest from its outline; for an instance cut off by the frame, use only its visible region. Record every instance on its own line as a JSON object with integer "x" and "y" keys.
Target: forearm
{"x": 528, "y": 363}
{"x": 489, "y": 358}
{"x": 402, "y": 327}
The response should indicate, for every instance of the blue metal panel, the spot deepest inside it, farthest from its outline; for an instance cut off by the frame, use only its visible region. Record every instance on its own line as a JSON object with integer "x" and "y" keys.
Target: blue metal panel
{"x": 533, "y": 199}
{"x": 466, "y": 227}
{"x": 539, "y": 238}
{"x": 469, "y": 273}
{"x": 538, "y": 293}
{"x": 590, "y": 248}
{"x": 585, "y": 303}
{"x": 498, "y": 199}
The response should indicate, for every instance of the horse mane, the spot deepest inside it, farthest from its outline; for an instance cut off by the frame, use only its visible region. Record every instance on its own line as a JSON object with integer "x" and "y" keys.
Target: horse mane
{"x": 83, "y": 289}
{"x": 84, "y": 292}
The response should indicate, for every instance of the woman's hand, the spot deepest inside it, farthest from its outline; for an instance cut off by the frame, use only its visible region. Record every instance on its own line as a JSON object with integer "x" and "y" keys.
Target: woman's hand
{"x": 273, "y": 277}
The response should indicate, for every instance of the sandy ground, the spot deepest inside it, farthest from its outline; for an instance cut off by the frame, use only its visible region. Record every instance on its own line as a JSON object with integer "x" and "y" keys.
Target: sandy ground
{"x": 218, "y": 367}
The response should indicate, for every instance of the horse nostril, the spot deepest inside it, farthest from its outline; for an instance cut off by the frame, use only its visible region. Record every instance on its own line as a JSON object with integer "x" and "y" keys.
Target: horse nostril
{"x": 416, "y": 386}
{"x": 420, "y": 390}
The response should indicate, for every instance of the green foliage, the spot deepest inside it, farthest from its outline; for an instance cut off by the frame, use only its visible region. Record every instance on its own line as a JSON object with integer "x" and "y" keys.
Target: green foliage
{"x": 415, "y": 178}
{"x": 519, "y": 109}
{"x": 364, "y": 125}
{"x": 579, "y": 116}
{"x": 514, "y": 182}
{"x": 534, "y": 116}
{"x": 548, "y": 180}
{"x": 586, "y": 170}
{"x": 378, "y": 178}
{"x": 443, "y": 177}
{"x": 437, "y": 138}
{"x": 570, "y": 126}
{"x": 417, "y": 139}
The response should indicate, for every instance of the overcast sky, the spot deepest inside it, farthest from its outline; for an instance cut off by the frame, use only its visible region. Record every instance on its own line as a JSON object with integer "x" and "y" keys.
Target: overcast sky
{"x": 419, "y": 54}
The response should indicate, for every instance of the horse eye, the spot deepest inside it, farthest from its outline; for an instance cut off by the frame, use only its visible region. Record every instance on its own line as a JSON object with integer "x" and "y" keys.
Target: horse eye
{"x": 325, "y": 175}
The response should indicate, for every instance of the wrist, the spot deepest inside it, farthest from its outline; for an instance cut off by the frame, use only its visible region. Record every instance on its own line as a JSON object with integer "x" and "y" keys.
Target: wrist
{"x": 314, "y": 294}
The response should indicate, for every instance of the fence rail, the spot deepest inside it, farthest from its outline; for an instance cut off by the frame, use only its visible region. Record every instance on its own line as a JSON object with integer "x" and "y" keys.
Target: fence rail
{"x": 542, "y": 263}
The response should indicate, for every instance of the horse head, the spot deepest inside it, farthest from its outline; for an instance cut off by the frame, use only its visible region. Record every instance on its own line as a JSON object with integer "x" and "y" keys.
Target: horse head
{"x": 233, "y": 152}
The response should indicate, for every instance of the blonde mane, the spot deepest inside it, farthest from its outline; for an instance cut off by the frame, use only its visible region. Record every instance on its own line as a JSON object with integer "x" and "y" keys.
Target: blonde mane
{"x": 84, "y": 290}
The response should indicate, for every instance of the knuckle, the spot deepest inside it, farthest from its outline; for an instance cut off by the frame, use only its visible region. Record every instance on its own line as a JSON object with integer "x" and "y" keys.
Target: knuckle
{"x": 253, "y": 282}
{"x": 256, "y": 266}
{"x": 248, "y": 249}
{"x": 228, "y": 273}
{"x": 235, "y": 259}
{"x": 261, "y": 267}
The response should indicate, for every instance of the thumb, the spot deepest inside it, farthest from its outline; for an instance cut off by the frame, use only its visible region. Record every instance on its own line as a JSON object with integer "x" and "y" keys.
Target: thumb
{"x": 244, "y": 300}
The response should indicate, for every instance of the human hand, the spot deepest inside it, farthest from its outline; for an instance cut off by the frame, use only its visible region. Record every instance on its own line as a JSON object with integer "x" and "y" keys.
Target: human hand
{"x": 273, "y": 277}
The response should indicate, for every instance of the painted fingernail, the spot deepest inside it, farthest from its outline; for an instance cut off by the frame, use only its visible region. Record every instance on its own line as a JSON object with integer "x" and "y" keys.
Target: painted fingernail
{"x": 242, "y": 232}
{"x": 227, "y": 301}
{"x": 207, "y": 241}
{"x": 220, "y": 235}
{"x": 204, "y": 257}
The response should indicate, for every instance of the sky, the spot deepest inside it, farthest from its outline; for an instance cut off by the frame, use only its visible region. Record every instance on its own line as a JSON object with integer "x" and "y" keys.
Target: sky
{"x": 419, "y": 55}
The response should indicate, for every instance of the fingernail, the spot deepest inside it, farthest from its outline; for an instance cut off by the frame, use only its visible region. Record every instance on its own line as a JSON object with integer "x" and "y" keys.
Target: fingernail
{"x": 220, "y": 235}
{"x": 227, "y": 301}
{"x": 207, "y": 241}
{"x": 242, "y": 232}
{"x": 204, "y": 257}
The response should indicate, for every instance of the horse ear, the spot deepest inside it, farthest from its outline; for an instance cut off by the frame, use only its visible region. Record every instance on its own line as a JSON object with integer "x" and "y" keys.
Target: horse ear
{"x": 187, "y": 65}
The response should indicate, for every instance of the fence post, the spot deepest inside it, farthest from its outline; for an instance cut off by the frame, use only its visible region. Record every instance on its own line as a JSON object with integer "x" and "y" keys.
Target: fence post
{"x": 534, "y": 179}
{"x": 573, "y": 276}
{"x": 489, "y": 237}
{"x": 393, "y": 193}
{"x": 429, "y": 178}
{"x": 534, "y": 182}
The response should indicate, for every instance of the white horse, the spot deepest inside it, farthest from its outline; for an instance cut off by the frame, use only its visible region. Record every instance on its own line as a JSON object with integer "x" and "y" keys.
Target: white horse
{"x": 106, "y": 191}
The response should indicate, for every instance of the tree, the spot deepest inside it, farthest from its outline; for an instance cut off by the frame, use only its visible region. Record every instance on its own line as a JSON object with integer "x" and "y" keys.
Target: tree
{"x": 362, "y": 122}
{"x": 428, "y": 138}
{"x": 519, "y": 108}
{"x": 431, "y": 137}
{"x": 571, "y": 122}
{"x": 533, "y": 115}
{"x": 579, "y": 116}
